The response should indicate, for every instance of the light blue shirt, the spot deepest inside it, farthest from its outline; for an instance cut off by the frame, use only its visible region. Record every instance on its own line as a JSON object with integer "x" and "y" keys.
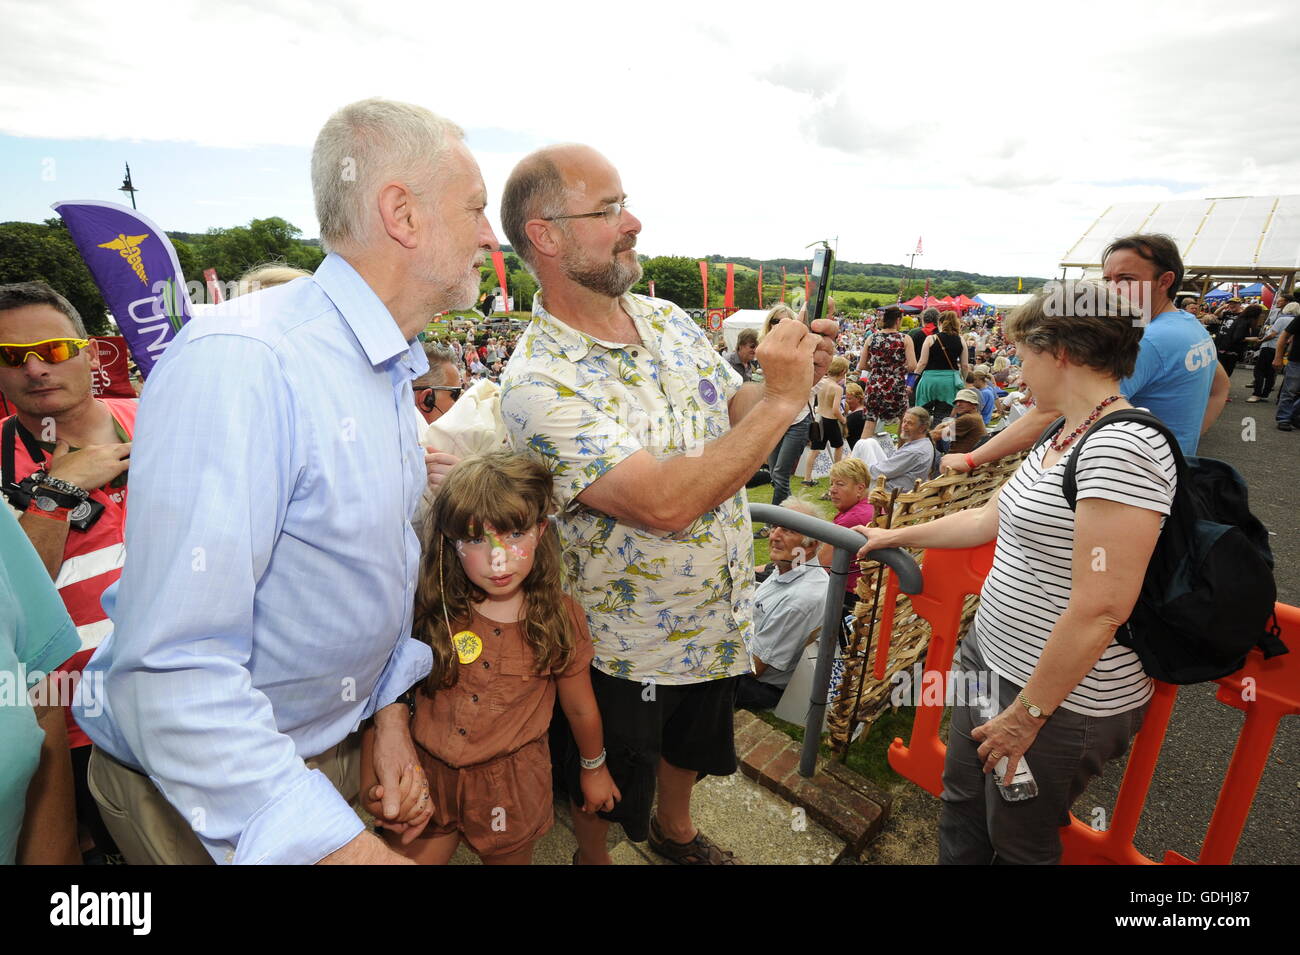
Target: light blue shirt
{"x": 1174, "y": 375}
{"x": 787, "y": 608}
{"x": 265, "y": 606}
{"x": 36, "y": 635}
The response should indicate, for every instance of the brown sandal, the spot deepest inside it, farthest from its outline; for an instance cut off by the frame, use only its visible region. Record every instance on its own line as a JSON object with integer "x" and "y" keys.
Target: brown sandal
{"x": 699, "y": 851}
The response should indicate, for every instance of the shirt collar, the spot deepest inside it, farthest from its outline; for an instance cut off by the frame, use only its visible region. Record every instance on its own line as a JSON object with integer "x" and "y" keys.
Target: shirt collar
{"x": 793, "y": 574}
{"x": 575, "y": 345}
{"x": 368, "y": 317}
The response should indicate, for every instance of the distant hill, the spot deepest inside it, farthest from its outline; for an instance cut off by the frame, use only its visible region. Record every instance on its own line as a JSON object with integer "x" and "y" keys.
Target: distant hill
{"x": 881, "y": 270}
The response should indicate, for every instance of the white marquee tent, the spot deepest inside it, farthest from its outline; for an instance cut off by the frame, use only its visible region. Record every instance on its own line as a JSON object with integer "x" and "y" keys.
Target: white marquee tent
{"x": 744, "y": 318}
{"x": 1003, "y": 301}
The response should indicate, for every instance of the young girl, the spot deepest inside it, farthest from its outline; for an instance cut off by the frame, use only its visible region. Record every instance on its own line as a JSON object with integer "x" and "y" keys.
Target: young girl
{"x": 849, "y": 484}
{"x": 505, "y": 640}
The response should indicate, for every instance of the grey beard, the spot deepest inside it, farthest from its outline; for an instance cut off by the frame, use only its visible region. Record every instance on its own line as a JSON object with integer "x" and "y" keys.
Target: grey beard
{"x": 613, "y": 279}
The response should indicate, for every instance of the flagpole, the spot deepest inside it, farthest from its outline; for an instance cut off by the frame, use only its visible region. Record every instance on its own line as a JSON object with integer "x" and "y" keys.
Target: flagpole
{"x": 911, "y": 266}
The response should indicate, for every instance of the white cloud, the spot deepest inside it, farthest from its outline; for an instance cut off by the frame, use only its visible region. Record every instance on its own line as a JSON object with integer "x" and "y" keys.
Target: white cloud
{"x": 999, "y": 132}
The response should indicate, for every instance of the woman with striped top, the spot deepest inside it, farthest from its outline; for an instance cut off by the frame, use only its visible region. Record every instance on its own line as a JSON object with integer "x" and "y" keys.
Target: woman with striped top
{"x": 1068, "y": 696}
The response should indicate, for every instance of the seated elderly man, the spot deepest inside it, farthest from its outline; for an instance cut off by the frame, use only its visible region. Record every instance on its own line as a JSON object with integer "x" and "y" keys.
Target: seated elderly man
{"x": 911, "y": 461}
{"x": 964, "y": 429}
{"x": 788, "y": 605}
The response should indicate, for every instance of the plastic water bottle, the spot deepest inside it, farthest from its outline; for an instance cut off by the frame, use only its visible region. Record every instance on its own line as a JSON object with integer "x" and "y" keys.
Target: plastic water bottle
{"x": 1021, "y": 786}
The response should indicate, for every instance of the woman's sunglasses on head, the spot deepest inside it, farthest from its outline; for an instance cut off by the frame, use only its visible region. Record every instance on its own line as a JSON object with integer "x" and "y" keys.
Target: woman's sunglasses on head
{"x": 51, "y": 351}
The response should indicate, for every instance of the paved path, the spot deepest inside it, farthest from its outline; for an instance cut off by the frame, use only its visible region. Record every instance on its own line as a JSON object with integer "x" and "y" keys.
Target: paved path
{"x": 734, "y": 811}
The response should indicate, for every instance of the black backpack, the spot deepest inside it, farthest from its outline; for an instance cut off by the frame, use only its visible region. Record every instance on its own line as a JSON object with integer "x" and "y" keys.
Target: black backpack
{"x": 1208, "y": 596}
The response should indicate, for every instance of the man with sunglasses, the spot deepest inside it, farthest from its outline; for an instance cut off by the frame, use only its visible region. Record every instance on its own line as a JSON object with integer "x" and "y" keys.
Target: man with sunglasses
{"x": 651, "y": 436}
{"x": 439, "y": 387}
{"x": 63, "y": 464}
{"x": 435, "y": 392}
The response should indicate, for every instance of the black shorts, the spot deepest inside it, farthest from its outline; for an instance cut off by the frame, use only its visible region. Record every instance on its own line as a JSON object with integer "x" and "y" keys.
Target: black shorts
{"x": 831, "y": 434}
{"x": 690, "y": 726}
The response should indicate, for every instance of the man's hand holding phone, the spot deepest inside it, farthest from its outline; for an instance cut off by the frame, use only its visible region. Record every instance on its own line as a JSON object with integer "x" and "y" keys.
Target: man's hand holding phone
{"x": 794, "y": 358}
{"x": 827, "y": 331}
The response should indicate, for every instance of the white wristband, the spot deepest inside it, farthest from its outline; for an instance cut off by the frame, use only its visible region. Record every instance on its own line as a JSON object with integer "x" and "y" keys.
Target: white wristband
{"x": 596, "y": 763}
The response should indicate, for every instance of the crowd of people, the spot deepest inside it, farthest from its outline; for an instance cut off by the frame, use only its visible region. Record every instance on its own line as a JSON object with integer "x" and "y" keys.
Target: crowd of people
{"x": 440, "y": 581}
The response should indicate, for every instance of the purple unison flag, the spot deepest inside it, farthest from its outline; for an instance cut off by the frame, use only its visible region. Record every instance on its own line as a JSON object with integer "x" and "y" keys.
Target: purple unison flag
{"x": 135, "y": 267}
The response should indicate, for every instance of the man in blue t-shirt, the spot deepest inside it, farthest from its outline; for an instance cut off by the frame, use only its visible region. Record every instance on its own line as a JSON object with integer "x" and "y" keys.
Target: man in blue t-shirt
{"x": 1177, "y": 378}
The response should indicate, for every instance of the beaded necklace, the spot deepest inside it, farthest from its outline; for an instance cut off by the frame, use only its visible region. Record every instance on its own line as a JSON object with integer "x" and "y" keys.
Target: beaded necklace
{"x": 1061, "y": 445}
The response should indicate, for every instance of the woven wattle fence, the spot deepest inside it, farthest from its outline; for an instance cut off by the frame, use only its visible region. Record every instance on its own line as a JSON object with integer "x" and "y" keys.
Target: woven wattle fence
{"x": 910, "y": 635}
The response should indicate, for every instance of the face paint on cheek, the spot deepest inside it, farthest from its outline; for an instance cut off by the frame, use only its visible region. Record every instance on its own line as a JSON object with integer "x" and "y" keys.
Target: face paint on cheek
{"x": 460, "y": 549}
{"x": 498, "y": 558}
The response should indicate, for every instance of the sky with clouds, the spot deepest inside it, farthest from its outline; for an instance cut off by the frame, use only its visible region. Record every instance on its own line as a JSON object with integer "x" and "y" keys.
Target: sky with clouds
{"x": 997, "y": 131}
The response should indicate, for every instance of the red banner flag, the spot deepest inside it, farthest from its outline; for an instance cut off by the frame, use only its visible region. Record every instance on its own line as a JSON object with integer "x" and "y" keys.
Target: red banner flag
{"x": 214, "y": 288}
{"x": 704, "y": 280}
{"x": 729, "y": 299}
{"x": 111, "y": 379}
{"x": 783, "y": 284}
{"x": 926, "y": 300}
{"x": 918, "y": 246}
{"x": 499, "y": 263}
{"x": 760, "y": 286}
{"x": 807, "y": 285}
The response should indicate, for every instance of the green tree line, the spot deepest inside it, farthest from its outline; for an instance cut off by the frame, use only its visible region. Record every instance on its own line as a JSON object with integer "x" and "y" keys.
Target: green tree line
{"x": 44, "y": 250}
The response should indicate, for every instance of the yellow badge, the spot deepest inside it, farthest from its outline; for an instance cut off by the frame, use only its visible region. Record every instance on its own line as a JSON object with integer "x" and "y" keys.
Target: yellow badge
{"x": 468, "y": 646}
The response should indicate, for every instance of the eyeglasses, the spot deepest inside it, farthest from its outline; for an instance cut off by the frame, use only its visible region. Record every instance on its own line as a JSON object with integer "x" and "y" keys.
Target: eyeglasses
{"x": 611, "y": 213}
{"x": 455, "y": 392}
{"x": 51, "y": 351}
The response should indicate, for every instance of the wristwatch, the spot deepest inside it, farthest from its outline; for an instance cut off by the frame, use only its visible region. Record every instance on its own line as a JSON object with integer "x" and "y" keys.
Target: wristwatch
{"x": 1035, "y": 711}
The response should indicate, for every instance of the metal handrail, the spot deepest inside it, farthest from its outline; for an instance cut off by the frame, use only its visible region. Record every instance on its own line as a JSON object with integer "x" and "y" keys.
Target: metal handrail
{"x": 846, "y": 543}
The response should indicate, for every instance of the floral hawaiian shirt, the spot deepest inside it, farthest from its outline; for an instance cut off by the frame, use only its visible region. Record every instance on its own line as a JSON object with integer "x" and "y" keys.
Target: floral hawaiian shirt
{"x": 671, "y": 608}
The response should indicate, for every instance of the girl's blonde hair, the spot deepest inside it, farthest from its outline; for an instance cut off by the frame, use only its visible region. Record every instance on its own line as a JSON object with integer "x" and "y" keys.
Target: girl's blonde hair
{"x": 269, "y": 275}
{"x": 839, "y": 366}
{"x": 511, "y": 492}
{"x": 777, "y": 313}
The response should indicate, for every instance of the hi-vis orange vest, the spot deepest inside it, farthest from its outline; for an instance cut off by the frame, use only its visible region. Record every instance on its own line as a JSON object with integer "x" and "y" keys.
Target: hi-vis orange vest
{"x": 92, "y": 559}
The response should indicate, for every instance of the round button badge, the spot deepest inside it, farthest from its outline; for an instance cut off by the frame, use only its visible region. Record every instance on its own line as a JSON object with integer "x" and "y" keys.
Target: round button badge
{"x": 707, "y": 391}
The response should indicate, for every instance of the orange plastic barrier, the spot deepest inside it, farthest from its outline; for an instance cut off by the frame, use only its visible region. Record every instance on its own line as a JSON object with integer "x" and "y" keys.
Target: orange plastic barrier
{"x": 1266, "y": 690}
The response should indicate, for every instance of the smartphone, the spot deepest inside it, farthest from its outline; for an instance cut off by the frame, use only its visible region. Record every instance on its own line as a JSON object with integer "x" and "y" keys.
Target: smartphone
{"x": 820, "y": 281}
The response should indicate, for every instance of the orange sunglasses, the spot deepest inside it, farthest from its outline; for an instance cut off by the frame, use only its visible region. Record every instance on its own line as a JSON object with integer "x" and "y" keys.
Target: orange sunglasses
{"x": 51, "y": 351}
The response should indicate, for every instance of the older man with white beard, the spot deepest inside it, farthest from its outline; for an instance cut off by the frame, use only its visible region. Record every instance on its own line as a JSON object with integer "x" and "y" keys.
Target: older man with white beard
{"x": 265, "y": 607}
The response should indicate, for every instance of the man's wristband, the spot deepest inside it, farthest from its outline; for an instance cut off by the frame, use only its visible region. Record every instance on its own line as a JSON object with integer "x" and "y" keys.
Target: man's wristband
{"x": 45, "y": 480}
{"x": 408, "y": 699}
